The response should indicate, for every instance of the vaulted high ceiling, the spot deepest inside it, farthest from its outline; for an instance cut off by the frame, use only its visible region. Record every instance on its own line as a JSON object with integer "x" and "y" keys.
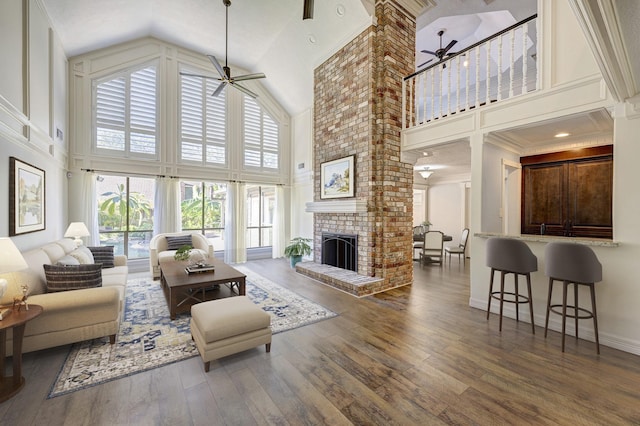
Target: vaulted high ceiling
{"x": 266, "y": 36}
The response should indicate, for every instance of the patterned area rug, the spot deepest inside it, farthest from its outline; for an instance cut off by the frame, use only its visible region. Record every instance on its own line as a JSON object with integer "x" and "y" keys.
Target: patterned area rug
{"x": 149, "y": 339}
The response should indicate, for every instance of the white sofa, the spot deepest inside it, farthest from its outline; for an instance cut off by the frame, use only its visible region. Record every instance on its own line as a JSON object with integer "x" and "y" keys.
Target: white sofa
{"x": 159, "y": 251}
{"x": 68, "y": 316}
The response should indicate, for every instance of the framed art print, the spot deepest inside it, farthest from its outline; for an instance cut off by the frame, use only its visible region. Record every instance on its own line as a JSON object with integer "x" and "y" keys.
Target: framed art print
{"x": 26, "y": 198}
{"x": 337, "y": 178}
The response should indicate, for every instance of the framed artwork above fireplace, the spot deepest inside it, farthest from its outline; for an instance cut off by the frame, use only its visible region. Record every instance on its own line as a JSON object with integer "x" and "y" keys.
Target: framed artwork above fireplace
{"x": 337, "y": 178}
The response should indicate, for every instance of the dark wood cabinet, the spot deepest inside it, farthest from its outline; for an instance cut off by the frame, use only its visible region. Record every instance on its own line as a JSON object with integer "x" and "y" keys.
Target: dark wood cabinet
{"x": 571, "y": 193}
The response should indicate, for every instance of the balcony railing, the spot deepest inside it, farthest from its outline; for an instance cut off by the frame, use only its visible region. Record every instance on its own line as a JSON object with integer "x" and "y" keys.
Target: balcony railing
{"x": 494, "y": 69}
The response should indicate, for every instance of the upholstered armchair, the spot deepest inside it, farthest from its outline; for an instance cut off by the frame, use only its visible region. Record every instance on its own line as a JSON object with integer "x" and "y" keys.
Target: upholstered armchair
{"x": 163, "y": 247}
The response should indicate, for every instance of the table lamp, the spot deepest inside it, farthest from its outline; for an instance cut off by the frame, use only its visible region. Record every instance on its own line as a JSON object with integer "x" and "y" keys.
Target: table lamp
{"x": 77, "y": 230}
{"x": 11, "y": 260}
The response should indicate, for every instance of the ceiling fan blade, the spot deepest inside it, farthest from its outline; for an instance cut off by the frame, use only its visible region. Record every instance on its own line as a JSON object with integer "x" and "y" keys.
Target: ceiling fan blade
{"x": 429, "y": 52}
{"x": 188, "y": 74}
{"x": 219, "y": 89}
{"x": 217, "y": 65}
{"x": 245, "y": 90}
{"x": 450, "y": 45}
{"x": 249, "y": 77}
{"x": 424, "y": 63}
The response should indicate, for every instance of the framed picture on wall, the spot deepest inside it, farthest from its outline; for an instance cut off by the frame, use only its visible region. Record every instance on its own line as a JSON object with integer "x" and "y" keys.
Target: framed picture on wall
{"x": 26, "y": 198}
{"x": 337, "y": 178}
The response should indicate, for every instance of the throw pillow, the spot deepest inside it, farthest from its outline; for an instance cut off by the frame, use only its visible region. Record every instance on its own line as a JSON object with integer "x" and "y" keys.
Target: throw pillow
{"x": 104, "y": 255}
{"x": 177, "y": 241}
{"x": 83, "y": 255}
{"x": 62, "y": 278}
{"x": 68, "y": 260}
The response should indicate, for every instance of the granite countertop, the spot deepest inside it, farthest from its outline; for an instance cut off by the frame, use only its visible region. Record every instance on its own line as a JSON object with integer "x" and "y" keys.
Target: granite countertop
{"x": 598, "y": 242}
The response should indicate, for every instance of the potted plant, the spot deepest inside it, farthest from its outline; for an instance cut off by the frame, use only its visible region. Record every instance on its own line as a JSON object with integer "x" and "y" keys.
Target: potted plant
{"x": 297, "y": 248}
{"x": 183, "y": 252}
{"x": 425, "y": 225}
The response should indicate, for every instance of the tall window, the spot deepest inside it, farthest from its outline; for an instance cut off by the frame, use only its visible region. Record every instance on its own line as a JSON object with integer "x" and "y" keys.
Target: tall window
{"x": 261, "y": 202}
{"x": 261, "y": 137}
{"x": 203, "y": 121}
{"x": 202, "y": 205}
{"x": 125, "y": 118}
{"x": 125, "y": 214}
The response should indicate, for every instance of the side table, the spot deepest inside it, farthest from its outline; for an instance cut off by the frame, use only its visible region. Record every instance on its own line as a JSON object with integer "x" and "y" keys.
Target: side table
{"x": 17, "y": 320}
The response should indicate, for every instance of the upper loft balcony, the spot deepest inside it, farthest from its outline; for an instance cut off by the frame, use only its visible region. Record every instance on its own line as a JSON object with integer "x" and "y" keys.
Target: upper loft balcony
{"x": 494, "y": 69}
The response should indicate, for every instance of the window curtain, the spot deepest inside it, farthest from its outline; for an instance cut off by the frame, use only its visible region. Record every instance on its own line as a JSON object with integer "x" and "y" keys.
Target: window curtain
{"x": 166, "y": 212}
{"x": 235, "y": 246}
{"x": 89, "y": 208}
{"x": 279, "y": 242}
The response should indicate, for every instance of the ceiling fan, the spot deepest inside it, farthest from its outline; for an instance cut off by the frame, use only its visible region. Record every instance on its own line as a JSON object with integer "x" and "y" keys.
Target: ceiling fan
{"x": 441, "y": 52}
{"x": 225, "y": 72}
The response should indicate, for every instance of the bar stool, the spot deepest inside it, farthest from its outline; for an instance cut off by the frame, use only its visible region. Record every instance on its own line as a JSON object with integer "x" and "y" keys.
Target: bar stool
{"x": 573, "y": 264}
{"x": 510, "y": 256}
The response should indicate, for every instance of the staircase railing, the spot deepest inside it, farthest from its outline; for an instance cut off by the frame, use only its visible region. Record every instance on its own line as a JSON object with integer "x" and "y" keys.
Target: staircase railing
{"x": 499, "y": 67}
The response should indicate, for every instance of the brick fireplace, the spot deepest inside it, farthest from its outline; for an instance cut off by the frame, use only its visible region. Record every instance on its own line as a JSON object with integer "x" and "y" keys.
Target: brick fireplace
{"x": 358, "y": 111}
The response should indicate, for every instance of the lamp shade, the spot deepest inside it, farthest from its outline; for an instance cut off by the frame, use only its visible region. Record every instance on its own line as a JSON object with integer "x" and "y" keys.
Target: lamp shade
{"x": 76, "y": 230}
{"x": 11, "y": 259}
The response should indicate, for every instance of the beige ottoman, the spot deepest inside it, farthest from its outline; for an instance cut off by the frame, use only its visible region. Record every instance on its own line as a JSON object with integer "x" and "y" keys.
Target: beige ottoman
{"x": 227, "y": 326}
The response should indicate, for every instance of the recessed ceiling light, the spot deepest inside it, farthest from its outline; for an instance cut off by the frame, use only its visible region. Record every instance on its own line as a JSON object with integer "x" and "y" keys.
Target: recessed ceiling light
{"x": 562, "y": 135}
{"x": 311, "y": 38}
{"x": 340, "y": 10}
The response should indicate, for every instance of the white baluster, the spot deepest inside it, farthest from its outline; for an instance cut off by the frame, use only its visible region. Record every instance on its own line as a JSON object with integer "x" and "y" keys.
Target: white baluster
{"x": 448, "y": 111}
{"x": 488, "y": 99}
{"x": 424, "y": 97}
{"x": 499, "y": 94}
{"x": 404, "y": 103}
{"x": 525, "y": 56}
{"x": 512, "y": 59}
{"x": 433, "y": 92}
{"x": 466, "y": 76}
{"x": 477, "y": 102}
{"x": 458, "y": 84}
{"x": 411, "y": 101}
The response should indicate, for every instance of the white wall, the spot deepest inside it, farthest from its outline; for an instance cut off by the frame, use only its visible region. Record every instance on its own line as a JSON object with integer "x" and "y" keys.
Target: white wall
{"x": 302, "y": 187}
{"x": 447, "y": 209}
{"x": 31, "y": 100}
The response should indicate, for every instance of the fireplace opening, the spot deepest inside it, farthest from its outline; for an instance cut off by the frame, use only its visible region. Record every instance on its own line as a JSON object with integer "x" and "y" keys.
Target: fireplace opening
{"x": 340, "y": 250}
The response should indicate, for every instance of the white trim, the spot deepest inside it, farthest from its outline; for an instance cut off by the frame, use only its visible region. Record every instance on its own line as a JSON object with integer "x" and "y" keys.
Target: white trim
{"x": 342, "y": 206}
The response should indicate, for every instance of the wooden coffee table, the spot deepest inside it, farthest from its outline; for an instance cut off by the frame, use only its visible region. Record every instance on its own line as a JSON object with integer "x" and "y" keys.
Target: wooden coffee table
{"x": 183, "y": 290}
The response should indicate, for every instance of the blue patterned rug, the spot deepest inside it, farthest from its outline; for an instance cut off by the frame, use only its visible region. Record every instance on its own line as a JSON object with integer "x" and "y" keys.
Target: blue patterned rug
{"x": 148, "y": 339}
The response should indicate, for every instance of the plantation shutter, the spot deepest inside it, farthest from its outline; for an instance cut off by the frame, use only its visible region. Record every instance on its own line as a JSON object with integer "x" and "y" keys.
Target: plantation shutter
{"x": 143, "y": 111}
{"x": 261, "y": 137}
{"x": 126, "y": 118}
{"x": 110, "y": 114}
{"x": 203, "y": 122}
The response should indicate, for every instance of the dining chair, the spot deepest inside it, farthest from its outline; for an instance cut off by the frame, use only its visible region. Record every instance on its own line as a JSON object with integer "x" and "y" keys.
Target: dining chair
{"x": 460, "y": 248}
{"x": 432, "y": 249}
{"x": 418, "y": 239}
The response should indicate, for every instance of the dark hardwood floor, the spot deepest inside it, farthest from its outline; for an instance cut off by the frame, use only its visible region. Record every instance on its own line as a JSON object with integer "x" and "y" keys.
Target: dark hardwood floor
{"x": 414, "y": 355}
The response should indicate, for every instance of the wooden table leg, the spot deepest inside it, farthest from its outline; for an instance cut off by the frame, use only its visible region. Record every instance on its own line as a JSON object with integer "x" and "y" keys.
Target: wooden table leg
{"x": 9, "y": 386}
{"x": 242, "y": 288}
